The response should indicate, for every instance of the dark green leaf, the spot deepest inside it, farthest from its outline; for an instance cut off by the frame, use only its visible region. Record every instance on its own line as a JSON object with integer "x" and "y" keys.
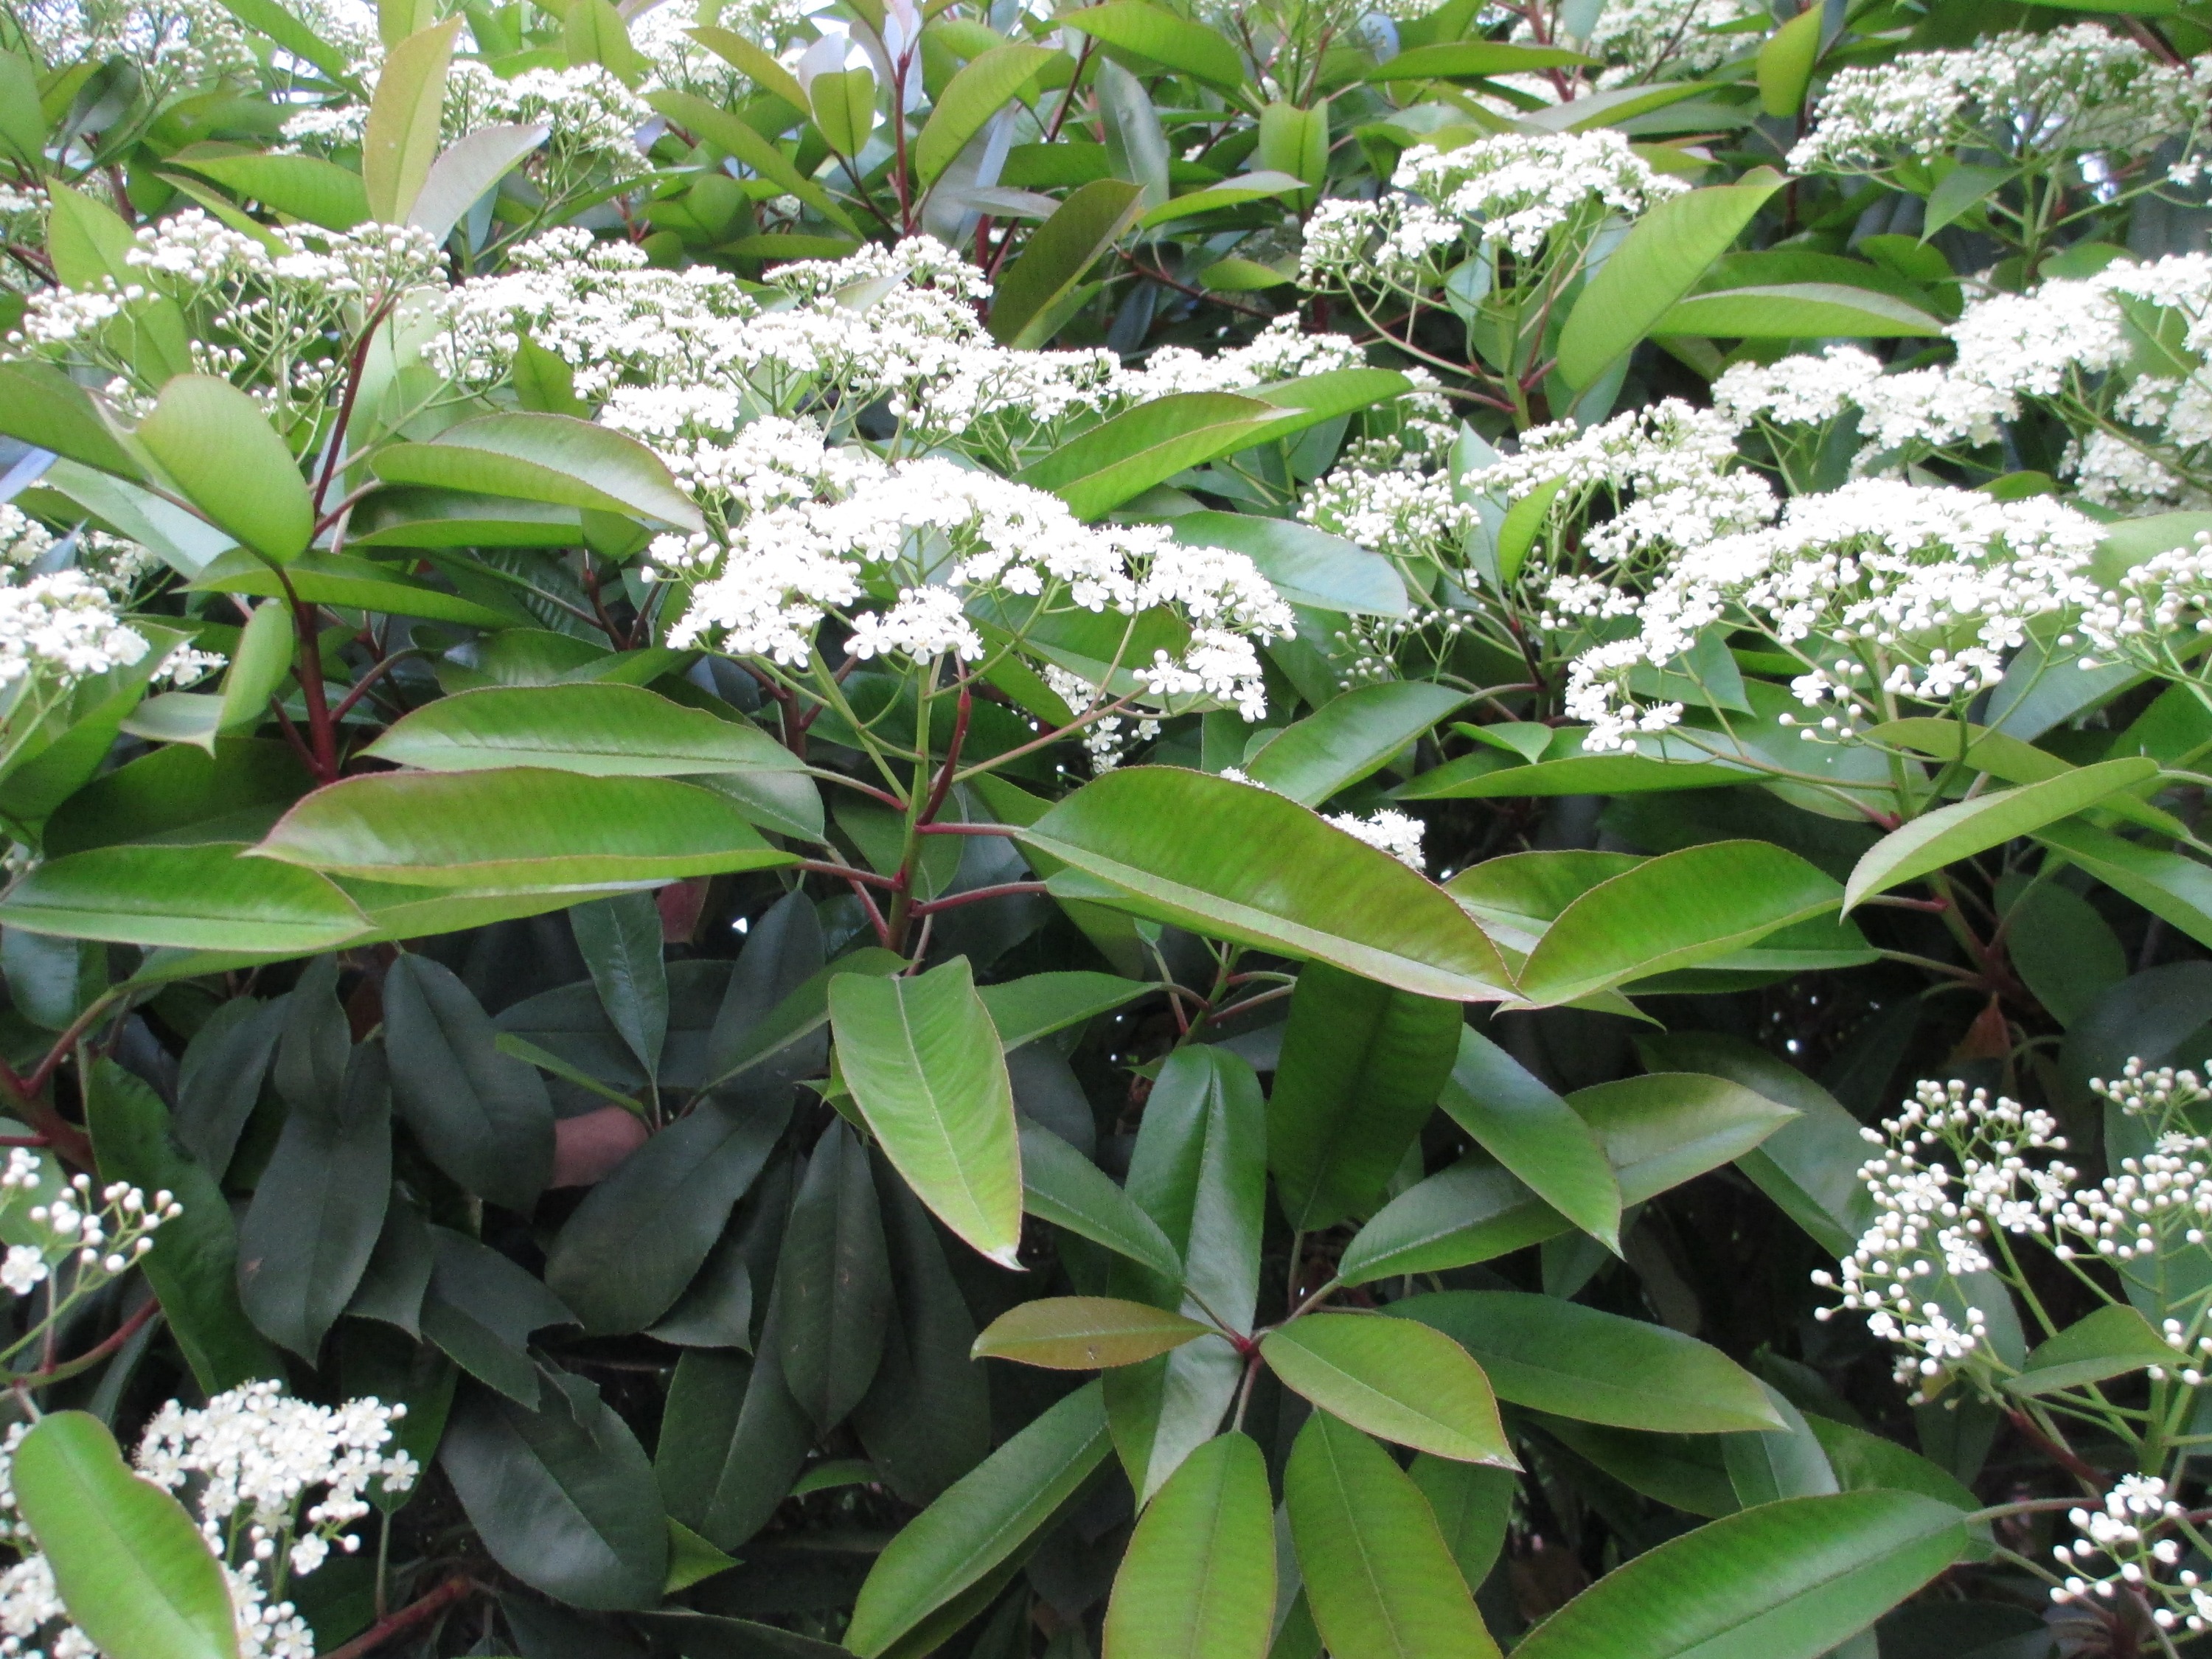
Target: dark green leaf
{"x": 604, "y": 730}
{"x": 1535, "y": 1134}
{"x": 620, "y": 940}
{"x": 482, "y": 1116}
{"x": 833, "y": 1281}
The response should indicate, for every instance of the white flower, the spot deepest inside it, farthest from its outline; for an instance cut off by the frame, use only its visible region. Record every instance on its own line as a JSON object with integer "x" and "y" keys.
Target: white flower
{"x": 24, "y": 1269}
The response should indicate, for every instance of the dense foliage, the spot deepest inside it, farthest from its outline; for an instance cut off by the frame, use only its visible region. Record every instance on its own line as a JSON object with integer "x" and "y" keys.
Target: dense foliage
{"x": 1187, "y": 831}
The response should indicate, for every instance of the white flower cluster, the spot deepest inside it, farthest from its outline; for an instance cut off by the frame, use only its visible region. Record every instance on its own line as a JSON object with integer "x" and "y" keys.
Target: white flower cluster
{"x": 1635, "y": 39}
{"x": 1885, "y": 589}
{"x": 2122, "y": 1530}
{"x": 2160, "y": 611}
{"x": 1935, "y": 1223}
{"x": 279, "y": 317}
{"x": 1514, "y": 191}
{"x": 105, "y": 1236}
{"x": 2139, "y": 438}
{"x": 276, "y": 1481}
{"x": 56, "y": 630}
{"x": 807, "y": 530}
{"x": 1394, "y": 494}
{"x": 595, "y": 120}
{"x": 2081, "y": 89}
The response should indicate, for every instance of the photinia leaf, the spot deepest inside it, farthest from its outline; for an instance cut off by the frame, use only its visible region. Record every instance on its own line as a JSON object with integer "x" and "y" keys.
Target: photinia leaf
{"x": 1083, "y": 1332}
{"x": 1420, "y": 1390}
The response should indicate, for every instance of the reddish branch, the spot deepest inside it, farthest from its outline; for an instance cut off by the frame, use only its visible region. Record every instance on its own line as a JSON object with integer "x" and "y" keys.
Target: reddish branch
{"x": 456, "y": 1589}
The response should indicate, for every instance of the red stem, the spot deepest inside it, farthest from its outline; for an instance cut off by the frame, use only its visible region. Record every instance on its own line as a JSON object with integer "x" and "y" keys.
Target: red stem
{"x": 976, "y": 894}
{"x": 454, "y": 1589}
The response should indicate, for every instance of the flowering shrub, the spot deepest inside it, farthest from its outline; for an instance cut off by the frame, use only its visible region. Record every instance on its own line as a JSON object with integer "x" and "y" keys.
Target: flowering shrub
{"x": 1003, "y": 832}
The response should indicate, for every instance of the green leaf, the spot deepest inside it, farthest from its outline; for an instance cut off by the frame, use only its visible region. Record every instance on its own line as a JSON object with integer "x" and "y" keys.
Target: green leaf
{"x": 1774, "y": 1463}
{"x": 625, "y": 1255}
{"x": 1242, "y": 864}
{"x": 288, "y": 31}
{"x": 1571, "y": 1361}
{"x": 136, "y": 1575}
{"x": 1785, "y": 63}
{"x": 1535, "y": 1134}
{"x": 1037, "y": 1005}
{"x": 602, "y": 730}
{"x": 1085, "y": 1333}
{"x": 1240, "y": 190}
{"x": 520, "y": 826}
{"x": 982, "y": 1522}
{"x": 201, "y": 898}
{"x": 692, "y": 1559}
{"x": 318, "y": 1206}
{"x": 1564, "y": 769}
{"x": 1159, "y": 34}
{"x": 1671, "y": 912}
{"x": 1958, "y": 831}
{"x": 1124, "y": 457}
{"x": 833, "y": 1285}
{"x": 970, "y": 98}
{"x": 1468, "y": 60}
{"x": 1061, "y": 1186}
{"x": 459, "y": 177}
{"x": 193, "y": 1266}
{"x": 543, "y": 458}
{"x": 306, "y": 186}
{"x": 1789, "y": 1580}
{"x": 725, "y": 132}
{"x": 401, "y": 139}
{"x": 1378, "y": 1576}
{"x": 1960, "y": 192}
{"x": 1362, "y": 1065}
{"x": 1350, "y": 737}
{"x": 620, "y": 938}
{"x": 563, "y": 1498}
{"x": 1028, "y": 298}
{"x": 926, "y": 1071}
{"x": 758, "y": 65}
{"x": 2113, "y": 1341}
{"x": 593, "y": 32}
{"x": 2169, "y": 886}
{"x": 732, "y": 1441}
{"x": 22, "y": 123}
{"x": 1658, "y": 1131}
{"x": 1660, "y": 260}
{"x": 843, "y": 105}
{"x": 1306, "y": 566}
{"x": 1797, "y": 311}
{"x": 1405, "y": 1382}
{"x": 215, "y": 441}
{"x": 42, "y": 406}
{"x": 1810, "y": 1166}
{"x": 1198, "y": 1578}
{"x": 480, "y": 1115}
{"x": 1473, "y": 1505}
{"x": 339, "y": 579}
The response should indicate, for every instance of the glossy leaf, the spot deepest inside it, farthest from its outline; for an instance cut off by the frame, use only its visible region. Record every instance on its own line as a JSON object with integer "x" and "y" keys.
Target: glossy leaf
{"x": 727, "y": 131}
{"x": 563, "y": 1497}
{"x": 1789, "y": 1580}
{"x": 1099, "y": 470}
{"x": 202, "y": 898}
{"x": 1198, "y": 1579}
{"x": 476, "y": 163}
{"x": 215, "y": 441}
{"x": 1663, "y": 255}
{"x": 983, "y": 1521}
{"x": 1797, "y": 311}
{"x": 1238, "y": 863}
{"x": 519, "y": 826}
{"x": 1061, "y": 1186}
{"x": 732, "y": 1441}
{"x": 1534, "y": 1133}
{"x": 605, "y": 731}
{"x": 928, "y": 1072}
{"x": 43, "y": 407}
{"x": 1378, "y": 1576}
{"x": 306, "y": 186}
{"x": 970, "y": 98}
{"x": 1030, "y": 297}
{"x": 1674, "y": 912}
{"x": 2113, "y": 1341}
{"x": 1306, "y": 566}
{"x": 138, "y": 1578}
{"x": 482, "y": 1116}
{"x": 318, "y": 1206}
{"x": 1563, "y": 1358}
{"x": 1412, "y": 1384}
{"x": 833, "y": 1285}
{"x": 1038, "y": 1005}
{"x": 401, "y": 139}
{"x": 1155, "y": 32}
{"x": 1958, "y": 831}
{"x": 1085, "y": 1333}
{"x": 2171, "y": 886}
{"x": 1350, "y": 737}
{"x": 640, "y": 1235}
{"x": 543, "y": 458}
{"x": 1361, "y": 1067}
{"x": 620, "y": 938}
{"x": 1785, "y": 63}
